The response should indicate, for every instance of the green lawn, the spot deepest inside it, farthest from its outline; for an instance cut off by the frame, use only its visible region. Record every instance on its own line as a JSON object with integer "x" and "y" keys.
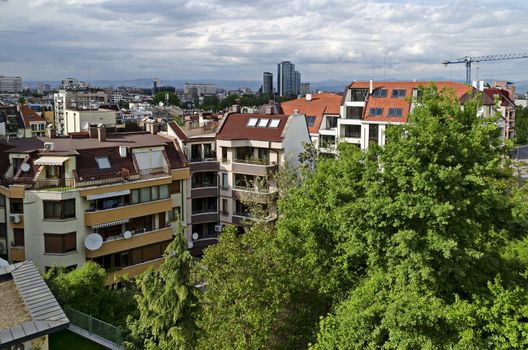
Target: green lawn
{"x": 66, "y": 340}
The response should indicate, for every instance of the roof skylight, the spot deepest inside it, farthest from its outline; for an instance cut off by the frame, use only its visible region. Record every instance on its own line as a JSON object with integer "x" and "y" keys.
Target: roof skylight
{"x": 252, "y": 122}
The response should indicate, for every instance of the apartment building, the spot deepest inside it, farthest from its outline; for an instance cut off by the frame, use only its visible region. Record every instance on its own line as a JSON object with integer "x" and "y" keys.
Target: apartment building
{"x": 20, "y": 121}
{"x": 197, "y": 139}
{"x": 10, "y": 84}
{"x": 75, "y": 98}
{"x": 106, "y": 198}
{"x": 250, "y": 148}
{"x": 369, "y": 107}
{"x": 322, "y": 113}
{"x": 499, "y": 98}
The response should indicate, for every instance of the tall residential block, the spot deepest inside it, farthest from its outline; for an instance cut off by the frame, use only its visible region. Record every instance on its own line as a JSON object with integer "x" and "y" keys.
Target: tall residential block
{"x": 285, "y": 78}
{"x": 267, "y": 83}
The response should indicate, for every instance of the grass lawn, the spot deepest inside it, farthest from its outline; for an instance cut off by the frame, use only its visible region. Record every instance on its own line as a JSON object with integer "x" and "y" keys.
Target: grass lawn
{"x": 66, "y": 340}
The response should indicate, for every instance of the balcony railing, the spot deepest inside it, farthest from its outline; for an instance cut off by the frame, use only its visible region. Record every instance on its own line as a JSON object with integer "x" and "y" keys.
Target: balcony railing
{"x": 204, "y": 211}
{"x": 96, "y": 180}
{"x": 208, "y": 158}
{"x": 253, "y": 161}
{"x": 253, "y": 189}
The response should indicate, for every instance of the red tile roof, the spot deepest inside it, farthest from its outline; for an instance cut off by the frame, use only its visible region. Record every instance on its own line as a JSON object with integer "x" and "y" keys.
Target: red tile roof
{"x": 28, "y": 116}
{"x": 404, "y": 103}
{"x": 234, "y": 127}
{"x": 321, "y": 104}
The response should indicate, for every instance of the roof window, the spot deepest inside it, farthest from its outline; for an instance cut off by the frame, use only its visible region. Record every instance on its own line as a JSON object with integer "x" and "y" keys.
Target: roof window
{"x": 395, "y": 112}
{"x": 252, "y": 122}
{"x": 103, "y": 163}
{"x": 374, "y": 112}
{"x": 263, "y": 122}
{"x": 274, "y": 123}
{"x": 398, "y": 93}
{"x": 310, "y": 121}
{"x": 381, "y": 93}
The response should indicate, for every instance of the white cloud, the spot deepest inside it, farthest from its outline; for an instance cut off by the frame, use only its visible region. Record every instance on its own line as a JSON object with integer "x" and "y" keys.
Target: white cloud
{"x": 234, "y": 39}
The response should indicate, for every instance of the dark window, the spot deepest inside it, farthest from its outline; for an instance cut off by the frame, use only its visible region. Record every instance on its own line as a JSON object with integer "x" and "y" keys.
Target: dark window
{"x": 148, "y": 194}
{"x": 18, "y": 234}
{"x": 395, "y": 112}
{"x": 310, "y": 120}
{"x": 244, "y": 153}
{"x": 174, "y": 214}
{"x": 379, "y": 93}
{"x": 353, "y": 131}
{"x": 374, "y": 112}
{"x": 224, "y": 152}
{"x": 2, "y": 201}
{"x": 59, "y": 210}
{"x": 331, "y": 122}
{"x": 225, "y": 207}
{"x": 175, "y": 186}
{"x": 354, "y": 112}
{"x": 60, "y": 243}
{"x": 225, "y": 184}
{"x": 16, "y": 206}
{"x": 203, "y": 179}
{"x": 373, "y": 132}
{"x": 398, "y": 93}
{"x": 358, "y": 95}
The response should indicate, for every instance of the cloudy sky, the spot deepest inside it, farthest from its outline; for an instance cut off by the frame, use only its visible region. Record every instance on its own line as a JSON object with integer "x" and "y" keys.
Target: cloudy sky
{"x": 239, "y": 39}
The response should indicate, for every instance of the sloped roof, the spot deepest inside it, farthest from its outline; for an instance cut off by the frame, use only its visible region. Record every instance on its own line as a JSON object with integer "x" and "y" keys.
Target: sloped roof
{"x": 319, "y": 105}
{"x": 235, "y": 127}
{"x": 402, "y": 103}
{"x": 28, "y": 116}
{"x": 46, "y": 314}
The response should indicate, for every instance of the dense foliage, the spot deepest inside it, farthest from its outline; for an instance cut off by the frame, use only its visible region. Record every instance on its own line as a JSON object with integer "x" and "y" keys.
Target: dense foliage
{"x": 521, "y": 125}
{"x": 166, "y": 303}
{"x": 84, "y": 289}
{"x": 167, "y": 98}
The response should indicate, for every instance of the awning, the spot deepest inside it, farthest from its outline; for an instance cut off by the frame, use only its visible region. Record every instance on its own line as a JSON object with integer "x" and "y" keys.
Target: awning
{"x": 49, "y": 160}
{"x": 108, "y": 195}
{"x": 113, "y": 223}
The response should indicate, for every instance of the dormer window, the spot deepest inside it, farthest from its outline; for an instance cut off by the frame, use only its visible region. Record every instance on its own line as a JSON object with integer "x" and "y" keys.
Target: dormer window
{"x": 103, "y": 163}
{"x": 252, "y": 122}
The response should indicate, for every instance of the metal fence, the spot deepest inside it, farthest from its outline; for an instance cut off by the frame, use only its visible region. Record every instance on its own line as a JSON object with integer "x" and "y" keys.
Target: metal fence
{"x": 95, "y": 326}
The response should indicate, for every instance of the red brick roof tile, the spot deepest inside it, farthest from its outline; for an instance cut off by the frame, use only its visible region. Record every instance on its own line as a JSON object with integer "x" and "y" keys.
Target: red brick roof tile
{"x": 321, "y": 104}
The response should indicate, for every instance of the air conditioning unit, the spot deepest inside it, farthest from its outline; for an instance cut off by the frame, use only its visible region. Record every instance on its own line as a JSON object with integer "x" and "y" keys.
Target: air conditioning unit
{"x": 49, "y": 146}
{"x": 218, "y": 228}
{"x": 14, "y": 218}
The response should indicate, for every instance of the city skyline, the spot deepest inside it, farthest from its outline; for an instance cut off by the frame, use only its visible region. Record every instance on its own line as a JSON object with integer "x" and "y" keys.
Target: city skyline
{"x": 97, "y": 39}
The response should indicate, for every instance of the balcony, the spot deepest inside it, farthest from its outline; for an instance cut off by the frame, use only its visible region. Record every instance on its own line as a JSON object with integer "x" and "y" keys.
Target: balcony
{"x": 253, "y": 167}
{"x": 66, "y": 184}
{"x": 134, "y": 270}
{"x": 137, "y": 240}
{"x": 203, "y": 216}
{"x": 204, "y": 165}
{"x": 204, "y": 192}
{"x": 127, "y": 212}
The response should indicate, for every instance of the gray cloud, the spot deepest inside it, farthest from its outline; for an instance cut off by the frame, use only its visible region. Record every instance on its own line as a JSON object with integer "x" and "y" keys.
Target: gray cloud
{"x": 327, "y": 39}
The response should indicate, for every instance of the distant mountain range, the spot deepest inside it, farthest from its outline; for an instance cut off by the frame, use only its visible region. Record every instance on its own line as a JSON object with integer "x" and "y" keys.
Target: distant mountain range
{"x": 325, "y": 85}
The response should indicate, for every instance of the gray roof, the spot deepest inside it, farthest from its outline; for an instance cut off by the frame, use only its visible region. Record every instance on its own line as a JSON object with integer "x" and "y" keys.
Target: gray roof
{"x": 46, "y": 314}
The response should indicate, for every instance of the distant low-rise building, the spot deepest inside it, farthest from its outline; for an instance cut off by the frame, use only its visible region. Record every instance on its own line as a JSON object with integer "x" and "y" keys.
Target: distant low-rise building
{"x": 10, "y": 84}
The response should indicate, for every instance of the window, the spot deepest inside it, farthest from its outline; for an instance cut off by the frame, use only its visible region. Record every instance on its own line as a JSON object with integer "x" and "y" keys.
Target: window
{"x": 353, "y": 131}
{"x": 145, "y": 194}
{"x": 310, "y": 120}
{"x": 174, "y": 214}
{"x": 154, "y": 193}
{"x": 354, "y": 112}
{"x": 224, "y": 153}
{"x": 59, "y": 210}
{"x": 373, "y": 132}
{"x": 175, "y": 187}
{"x": 252, "y": 122}
{"x": 331, "y": 122}
{"x": 2, "y": 201}
{"x": 18, "y": 235}
{"x": 263, "y": 122}
{"x": 60, "y": 243}
{"x": 358, "y": 95}
{"x": 148, "y": 194}
{"x": 16, "y": 206}
{"x": 53, "y": 171}
{"x": 103, "y": 163}
{"x": 395, "y": 112}
{"x": 164, "y": 192}
{"x": 225, "y": 183}
{"x": 374, "y": 112}
{"x": 379, "y": 93}
{"x": 398, "y": 93}
{"x": 274, "y": 123}
{"x": 225, "y": 207}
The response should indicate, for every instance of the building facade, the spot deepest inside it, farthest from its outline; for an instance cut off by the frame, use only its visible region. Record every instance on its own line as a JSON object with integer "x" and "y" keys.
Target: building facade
{"x": 10, "y": 84}
{"x": 286, "y": 78}
{"x": 267, "y": 84}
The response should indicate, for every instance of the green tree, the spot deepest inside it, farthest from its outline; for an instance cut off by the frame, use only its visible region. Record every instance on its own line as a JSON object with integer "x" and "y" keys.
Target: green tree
{"x": 254, "y": 297}
{"x": 84, "y": 289}
{"x": 166, "y": 303}
{"x": 433, "y": 219}
{"x": 521, "y": 125}
{"x": 167, "y": 98}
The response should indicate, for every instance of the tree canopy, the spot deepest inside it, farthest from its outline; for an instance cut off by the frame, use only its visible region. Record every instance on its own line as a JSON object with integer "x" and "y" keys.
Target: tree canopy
{"x": 167, "y": 98}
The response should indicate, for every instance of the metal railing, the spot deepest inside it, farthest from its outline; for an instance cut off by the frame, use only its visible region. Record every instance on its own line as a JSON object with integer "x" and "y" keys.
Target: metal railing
{"x": 97, "y": 180}
{"x": 253, "y": 161}
{"x": 205, "y": 211}
{"x": 95, "y": 326}
{"x": 253, "y": 189}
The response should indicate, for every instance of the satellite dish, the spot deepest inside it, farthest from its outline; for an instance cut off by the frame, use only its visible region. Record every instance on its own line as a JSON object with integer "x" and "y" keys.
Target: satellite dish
{"x": 127, "y": 234}
{"x": 93, "y": 241}
{"x": 190, "y": 245}
{"x": 195, "y": 235}
{"x": 85, "y": 125}
{"x": 25, "y": 167}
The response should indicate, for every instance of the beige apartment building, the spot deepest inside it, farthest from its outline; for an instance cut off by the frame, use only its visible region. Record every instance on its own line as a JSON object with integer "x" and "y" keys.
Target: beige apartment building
{"x": 113, "y": 199}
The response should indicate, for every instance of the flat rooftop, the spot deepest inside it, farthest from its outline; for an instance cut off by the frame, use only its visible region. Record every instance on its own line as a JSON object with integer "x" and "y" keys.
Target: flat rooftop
{"x": 14, "y": 311}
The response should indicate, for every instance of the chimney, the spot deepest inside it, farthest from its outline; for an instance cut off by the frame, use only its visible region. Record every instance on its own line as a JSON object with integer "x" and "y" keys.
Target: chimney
{"x": 101, "y": 132}
{"x": 371, "y": 87}
{"x": 308, "y": 97}
{"x": 154, "y": 127}
{"x": 92, "y": 131}
{"x": 51, "y": 132}
{"x": 481, "y": 85}
{"x": 236, "y": 108}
